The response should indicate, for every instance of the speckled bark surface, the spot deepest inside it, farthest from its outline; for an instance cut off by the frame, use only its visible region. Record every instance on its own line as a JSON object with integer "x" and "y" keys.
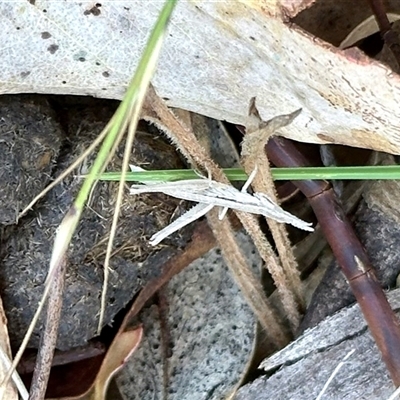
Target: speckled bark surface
{"x": 212, "y": 331}
{"x": 300, "y": 370}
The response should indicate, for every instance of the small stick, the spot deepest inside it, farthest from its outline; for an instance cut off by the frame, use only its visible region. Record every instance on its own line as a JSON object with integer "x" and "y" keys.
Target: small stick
{"x": 92, "y": 349}
{"x": 351, "y": 256}
{"x": 48, "y": 338}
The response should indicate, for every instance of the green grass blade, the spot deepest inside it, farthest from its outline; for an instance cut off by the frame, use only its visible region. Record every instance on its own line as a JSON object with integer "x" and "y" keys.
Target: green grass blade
{"x": 387, "y": 172}
{"x": 123, "y": 116}
{"x": 135, "y": 93}
{"x": 136, "y": 88}
{"x": 139, "y": 86}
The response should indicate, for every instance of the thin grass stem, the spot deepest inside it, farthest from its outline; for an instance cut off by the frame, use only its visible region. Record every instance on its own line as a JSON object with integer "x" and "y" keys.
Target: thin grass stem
{"x": 386, "y": 172}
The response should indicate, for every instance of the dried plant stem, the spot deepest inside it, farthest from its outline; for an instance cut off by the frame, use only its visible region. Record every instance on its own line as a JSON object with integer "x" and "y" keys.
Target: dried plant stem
{"x": 19, "y": 384}
{"x": 133, "y": 103}
{"x": 379, "y": 9}
{"x": 389, "y": 35}
{"x": 48, "y": 337}
{"x": 334, "y": 373}
{"x": 158, "y": 113}
{"x": 286, "y": 275}
{"x": 280, "y": 236}
{"x": 22, "y": 347}
{"x": 274, "y": 267}
{"x": 125, "y": 165}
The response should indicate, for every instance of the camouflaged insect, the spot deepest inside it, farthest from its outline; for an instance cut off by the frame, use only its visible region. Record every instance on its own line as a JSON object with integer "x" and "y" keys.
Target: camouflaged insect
{"x": 209, "y": 193}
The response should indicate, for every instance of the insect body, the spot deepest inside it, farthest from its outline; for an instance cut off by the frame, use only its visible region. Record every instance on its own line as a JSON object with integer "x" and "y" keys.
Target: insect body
{"x": 208, "y": 194}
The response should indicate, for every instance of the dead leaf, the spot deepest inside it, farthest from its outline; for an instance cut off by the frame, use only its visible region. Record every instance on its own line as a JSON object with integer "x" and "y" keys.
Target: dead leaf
{"x": 228, "y": 53}
{"x": 122, "y": 347}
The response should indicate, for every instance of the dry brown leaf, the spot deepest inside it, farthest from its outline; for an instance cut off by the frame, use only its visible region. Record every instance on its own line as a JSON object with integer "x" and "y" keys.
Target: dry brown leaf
{"x": 122, "y": 347}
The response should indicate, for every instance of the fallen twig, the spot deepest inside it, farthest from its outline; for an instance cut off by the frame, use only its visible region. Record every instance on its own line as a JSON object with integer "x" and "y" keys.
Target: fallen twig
{"x": 382, "y": 321}
{"x": 48, "y": 338}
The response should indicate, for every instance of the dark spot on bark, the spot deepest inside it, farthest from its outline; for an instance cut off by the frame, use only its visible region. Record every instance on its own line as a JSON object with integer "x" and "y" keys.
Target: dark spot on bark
{"x": 252, "y": 38}
{"x": 18, "y": 28}
{"x": 97, "y": 63}
{"x": 32, "y": 2}
{"x": 127, "y": 8}
{"x": 53, "y": 48}
{"x": 80, "y": 56}
{"x": 45, "y": 11}
{"x": 46, "y": 35}
{"x": 64, "y": 82}
{"x": 24, "y": 74}
{"x": 94, "y": 10}
{"x": 106, "y": 74}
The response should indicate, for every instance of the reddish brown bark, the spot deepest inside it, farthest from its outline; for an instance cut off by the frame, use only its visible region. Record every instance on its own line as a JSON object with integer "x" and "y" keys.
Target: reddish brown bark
{"x": 350, "y": 254}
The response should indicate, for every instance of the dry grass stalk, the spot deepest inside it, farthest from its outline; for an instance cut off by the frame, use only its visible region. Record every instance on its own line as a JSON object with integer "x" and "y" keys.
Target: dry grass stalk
{"x": 118, "y": 204}
{"x": 44, "y": 359}
{"x": 274, "y": 268}
{"x": 286, "y": 275}
{"x": 184, "y": 139}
